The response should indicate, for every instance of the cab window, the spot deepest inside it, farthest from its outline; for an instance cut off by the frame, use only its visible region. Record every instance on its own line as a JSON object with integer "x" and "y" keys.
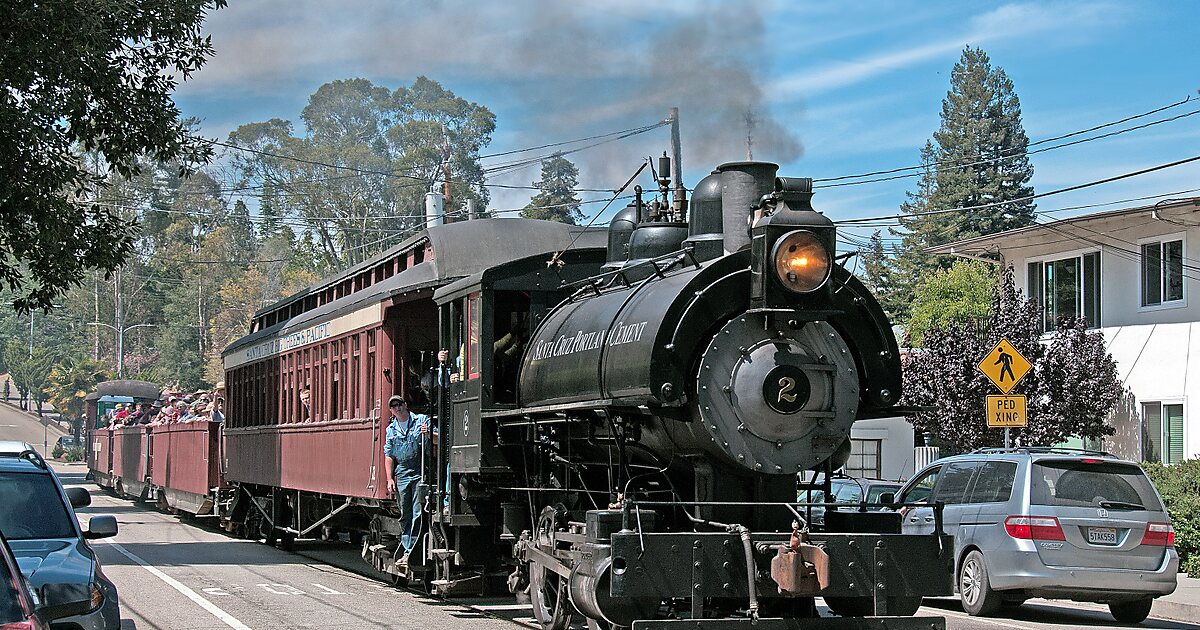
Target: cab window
{"x": 474, "y": 318}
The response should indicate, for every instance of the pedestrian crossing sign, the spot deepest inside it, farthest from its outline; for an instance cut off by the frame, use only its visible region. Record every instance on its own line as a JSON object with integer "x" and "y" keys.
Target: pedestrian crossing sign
{"x": 1006, "y": 411}
{"x": 1004, "y": 366}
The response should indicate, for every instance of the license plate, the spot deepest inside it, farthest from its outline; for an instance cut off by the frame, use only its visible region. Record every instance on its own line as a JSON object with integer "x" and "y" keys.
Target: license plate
{"x": 1102, "y": 535}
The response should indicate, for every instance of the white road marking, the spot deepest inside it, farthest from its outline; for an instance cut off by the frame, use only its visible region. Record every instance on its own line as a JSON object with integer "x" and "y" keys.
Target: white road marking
{"x": 271, "y": 588}
{"x": 216, "y": 590}
{"x": 325, "y": 590}
{"x": 952, "y": 613}
{"x": 212, "y": 608}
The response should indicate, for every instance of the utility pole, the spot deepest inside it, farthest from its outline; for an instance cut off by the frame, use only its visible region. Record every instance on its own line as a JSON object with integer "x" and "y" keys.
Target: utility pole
{"x": 679, "y": 195}
{"x": 445, "y": 171}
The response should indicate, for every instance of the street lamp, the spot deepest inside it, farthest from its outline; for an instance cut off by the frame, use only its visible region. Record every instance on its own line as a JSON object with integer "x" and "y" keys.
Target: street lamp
{"x": 119, "y": 333}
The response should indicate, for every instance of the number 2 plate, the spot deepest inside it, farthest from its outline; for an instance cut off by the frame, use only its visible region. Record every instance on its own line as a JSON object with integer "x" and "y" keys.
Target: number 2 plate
{"x": 1102, "y": 535}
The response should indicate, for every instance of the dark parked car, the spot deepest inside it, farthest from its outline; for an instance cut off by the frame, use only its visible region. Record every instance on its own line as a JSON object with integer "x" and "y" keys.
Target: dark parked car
{"x": 850, "y": 490}
{"x": 68, "y": 442}
{"x": 18, "y": 608}
{"x": 39, "y": 522}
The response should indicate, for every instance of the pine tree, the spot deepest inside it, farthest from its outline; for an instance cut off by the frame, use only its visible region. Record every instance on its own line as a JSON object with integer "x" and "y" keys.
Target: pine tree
{"x": 557, "y": 200}
{"x": 977, "y": 160}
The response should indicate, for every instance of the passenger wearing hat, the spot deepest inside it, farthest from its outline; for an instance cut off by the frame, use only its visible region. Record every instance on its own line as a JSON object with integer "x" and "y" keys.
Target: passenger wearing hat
{"x": 402, "y": 450}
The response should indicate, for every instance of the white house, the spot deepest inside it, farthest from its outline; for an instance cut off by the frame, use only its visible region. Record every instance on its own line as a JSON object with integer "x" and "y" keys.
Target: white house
{"x": 1134, "y": 274}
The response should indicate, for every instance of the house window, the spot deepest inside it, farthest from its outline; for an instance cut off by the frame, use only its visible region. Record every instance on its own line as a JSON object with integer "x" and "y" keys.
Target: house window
{"x": 1066, "y": 288}
{"x": 864, "y": 459}
{"x": 1162, "y": 432}
{"x": 1162, "y": 272}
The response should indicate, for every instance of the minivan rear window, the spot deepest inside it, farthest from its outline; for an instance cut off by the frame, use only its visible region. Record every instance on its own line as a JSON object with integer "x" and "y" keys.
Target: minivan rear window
{"x": 1102, "y": 484}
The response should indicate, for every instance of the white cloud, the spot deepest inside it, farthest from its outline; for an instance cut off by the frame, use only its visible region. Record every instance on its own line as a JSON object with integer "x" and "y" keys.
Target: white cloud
{"x": 1023, "y": 22}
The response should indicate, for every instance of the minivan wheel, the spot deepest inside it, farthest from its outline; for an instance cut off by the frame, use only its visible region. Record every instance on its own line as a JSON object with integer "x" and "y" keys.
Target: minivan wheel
{"x": 978, "y": 598}
{"x": 1135, "y": 611}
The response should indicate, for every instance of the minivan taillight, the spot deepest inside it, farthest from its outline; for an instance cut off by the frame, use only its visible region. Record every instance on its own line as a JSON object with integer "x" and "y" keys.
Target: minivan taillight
{"x": 1159, "y": 535}
{"x": 19, "y": 625}
{"x": 1034, "y": 528}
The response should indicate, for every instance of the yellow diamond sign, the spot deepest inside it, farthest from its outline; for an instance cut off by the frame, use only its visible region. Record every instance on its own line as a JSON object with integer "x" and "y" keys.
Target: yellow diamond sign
{"x": 1004, "y": 366}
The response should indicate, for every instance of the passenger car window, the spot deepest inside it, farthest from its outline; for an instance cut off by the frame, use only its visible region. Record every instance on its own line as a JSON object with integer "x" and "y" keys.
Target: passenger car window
{"x": 877, "y": 490}
{"x": 1081, "y": 483}
{"x": 33, "y": 508}
{"x": 994, "y": 482}
{"x": 848, "y": 493}
{"x": 921, "y": 488}
{"x": 952, "y": 487}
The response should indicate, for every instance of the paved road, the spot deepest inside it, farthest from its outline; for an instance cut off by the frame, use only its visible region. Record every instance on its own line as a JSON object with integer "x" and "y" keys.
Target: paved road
{"x": 16, "y": 425}
{"x": 164, "y": 568}
{"x": 174, "y": 575}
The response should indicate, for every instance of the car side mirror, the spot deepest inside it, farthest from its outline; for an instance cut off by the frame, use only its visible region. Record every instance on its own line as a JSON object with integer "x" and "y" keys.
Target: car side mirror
{"x": 79, "y": 497}
{"x": 887, "y": 498}
{"x": 101, "y": 527}
{"x": 63, "y": 600}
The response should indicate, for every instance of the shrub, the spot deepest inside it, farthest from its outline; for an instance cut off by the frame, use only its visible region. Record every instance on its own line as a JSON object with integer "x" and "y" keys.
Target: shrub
{"x": 57, "y": 452}
{"x": 1179, "y": 485}
{"x": 75, "y": 454}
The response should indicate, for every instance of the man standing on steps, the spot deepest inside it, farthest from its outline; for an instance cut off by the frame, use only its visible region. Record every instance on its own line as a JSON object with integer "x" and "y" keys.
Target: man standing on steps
{"x": 406, "y": 435}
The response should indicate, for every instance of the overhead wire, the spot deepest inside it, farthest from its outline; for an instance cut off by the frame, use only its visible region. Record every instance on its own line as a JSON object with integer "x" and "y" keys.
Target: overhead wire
{"x": 1019, "y": 151}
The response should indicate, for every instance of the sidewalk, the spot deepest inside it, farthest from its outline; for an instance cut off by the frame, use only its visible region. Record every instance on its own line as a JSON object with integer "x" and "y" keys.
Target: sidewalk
{"x": 1183, "y": 604}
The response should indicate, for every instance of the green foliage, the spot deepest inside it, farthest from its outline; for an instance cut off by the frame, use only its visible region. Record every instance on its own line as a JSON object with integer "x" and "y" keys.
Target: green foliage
{"x": 978, "y": 163}
{"x": 86, "y": 77}
{"x": 57, "y": 452}
{"x": 29, "y": 371}
{"x": 1070, "y": 391}
{"x": 393, "y": 146}
{"x": 69, "y": 383}
{"x": 879, "y": 275}
{"x": 962, "y": 294}
{"x": 75, "y": 454}
{"x": 1179, "y": 485}
{"x": 556, "y": 200}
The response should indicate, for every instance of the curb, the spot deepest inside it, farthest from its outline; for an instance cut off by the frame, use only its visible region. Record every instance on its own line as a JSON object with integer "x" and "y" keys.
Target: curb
{"x": 1175, "y": 611}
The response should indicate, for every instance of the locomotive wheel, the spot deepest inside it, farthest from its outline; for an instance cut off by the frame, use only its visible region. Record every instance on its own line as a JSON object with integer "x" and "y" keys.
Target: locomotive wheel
{"x": 547, "y": 589}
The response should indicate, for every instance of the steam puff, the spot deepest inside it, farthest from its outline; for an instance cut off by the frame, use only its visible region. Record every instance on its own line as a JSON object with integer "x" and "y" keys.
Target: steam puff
{"x": 566, "y": 68}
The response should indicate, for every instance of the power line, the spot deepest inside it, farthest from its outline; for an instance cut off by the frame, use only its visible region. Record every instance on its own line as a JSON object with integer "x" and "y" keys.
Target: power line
{"x": 1043, "y": 141}
{"x": 1025, "y": 198}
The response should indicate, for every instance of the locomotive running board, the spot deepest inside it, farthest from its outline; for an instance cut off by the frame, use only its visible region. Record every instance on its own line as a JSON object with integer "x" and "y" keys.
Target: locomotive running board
{"x": 809, "y": 623}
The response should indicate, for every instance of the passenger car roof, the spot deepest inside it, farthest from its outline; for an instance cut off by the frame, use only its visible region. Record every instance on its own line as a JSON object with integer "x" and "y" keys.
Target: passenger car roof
{"x": 14, "y": 447}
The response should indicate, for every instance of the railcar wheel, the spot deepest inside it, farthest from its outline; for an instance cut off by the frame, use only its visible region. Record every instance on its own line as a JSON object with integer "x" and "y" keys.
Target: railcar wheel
{"x": 547, "y": 589}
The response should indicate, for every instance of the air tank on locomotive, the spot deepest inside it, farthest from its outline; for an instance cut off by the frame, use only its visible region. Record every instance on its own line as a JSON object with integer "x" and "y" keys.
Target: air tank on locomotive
{"x": 740, "y": 339}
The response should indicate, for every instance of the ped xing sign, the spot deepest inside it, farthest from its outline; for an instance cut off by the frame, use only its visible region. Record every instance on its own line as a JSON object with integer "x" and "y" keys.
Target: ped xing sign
{"x": 1004, "y": 366}
{"x": 1006, "y": 411}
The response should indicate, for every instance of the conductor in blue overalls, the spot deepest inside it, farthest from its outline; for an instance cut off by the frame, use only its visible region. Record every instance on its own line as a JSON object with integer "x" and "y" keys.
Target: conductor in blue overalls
{"x": 403, "y": 454}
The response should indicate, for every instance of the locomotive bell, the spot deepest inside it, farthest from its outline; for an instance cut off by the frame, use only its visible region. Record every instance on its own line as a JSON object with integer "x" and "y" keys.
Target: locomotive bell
{"x": 792, "y": 250}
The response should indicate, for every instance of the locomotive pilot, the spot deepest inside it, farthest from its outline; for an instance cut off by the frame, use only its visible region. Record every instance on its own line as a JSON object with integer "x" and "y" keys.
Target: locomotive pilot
{"x": 403, "y": 453}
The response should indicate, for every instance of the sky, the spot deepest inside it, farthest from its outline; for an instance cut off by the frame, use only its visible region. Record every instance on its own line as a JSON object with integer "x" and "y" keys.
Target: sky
{"x": 835, "y": 88}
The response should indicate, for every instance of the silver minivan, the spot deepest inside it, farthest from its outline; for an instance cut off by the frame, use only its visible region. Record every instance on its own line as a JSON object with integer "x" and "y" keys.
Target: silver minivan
{"x": 1048, "y": 522}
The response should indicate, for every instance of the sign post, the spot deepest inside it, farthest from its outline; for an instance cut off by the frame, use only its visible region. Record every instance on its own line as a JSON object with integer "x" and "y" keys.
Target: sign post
{"x": 1005, "y": 367}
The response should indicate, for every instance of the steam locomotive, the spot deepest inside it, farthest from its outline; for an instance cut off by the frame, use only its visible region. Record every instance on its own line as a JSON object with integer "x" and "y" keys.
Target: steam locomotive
{"x": 632, "y": 411}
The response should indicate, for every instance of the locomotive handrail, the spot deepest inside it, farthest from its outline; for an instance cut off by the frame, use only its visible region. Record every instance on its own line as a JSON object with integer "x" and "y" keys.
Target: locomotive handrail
{"x": 674, "y": 258}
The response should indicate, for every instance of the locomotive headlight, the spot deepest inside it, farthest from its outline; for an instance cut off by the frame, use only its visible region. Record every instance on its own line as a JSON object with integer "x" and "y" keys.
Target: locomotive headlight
{"x": 802, "y": 263}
